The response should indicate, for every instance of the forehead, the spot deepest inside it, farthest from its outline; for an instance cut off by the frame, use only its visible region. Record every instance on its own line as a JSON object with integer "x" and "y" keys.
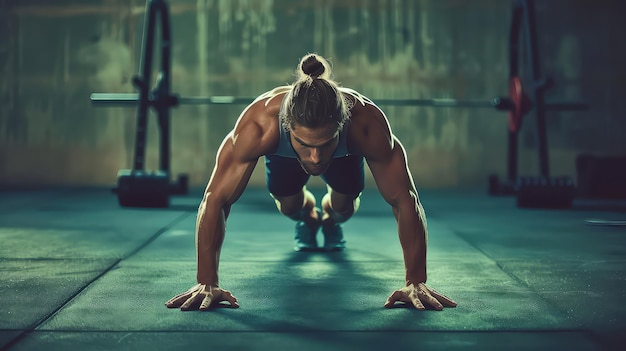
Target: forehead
{"x": 321, "y": 133}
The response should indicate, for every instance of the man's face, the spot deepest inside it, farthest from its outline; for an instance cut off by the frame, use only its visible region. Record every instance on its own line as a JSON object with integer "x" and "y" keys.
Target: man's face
{"x": 314, "y": 146}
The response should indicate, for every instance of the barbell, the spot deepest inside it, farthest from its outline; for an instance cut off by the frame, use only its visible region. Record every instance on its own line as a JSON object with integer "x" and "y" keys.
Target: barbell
{"x": 517, "y": 103}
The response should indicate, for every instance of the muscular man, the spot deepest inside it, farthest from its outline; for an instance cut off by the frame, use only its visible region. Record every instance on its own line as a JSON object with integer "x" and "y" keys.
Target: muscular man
{"x": 313, "y": 127}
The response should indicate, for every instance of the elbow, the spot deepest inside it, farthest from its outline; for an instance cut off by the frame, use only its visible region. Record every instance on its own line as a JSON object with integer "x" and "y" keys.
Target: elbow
{"x": 405, "y": 199}
{"x": 213, "y": 202}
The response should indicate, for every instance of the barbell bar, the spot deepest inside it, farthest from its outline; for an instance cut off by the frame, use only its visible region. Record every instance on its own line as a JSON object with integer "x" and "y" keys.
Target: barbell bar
{"x": 501, "y": 103}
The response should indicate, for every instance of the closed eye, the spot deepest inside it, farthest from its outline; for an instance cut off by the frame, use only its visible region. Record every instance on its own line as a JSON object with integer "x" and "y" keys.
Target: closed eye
{"x": 316, "y": 146}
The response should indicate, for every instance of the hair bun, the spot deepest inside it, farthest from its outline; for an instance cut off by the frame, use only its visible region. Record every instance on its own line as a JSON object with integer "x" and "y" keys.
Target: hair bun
{"x": 312, "y": 67}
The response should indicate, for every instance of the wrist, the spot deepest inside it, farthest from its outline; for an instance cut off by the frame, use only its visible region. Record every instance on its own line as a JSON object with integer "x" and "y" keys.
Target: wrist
{"x": 415, "y": 280}
{"x": 213, "y": 285}
{"x": 210, "y": 279}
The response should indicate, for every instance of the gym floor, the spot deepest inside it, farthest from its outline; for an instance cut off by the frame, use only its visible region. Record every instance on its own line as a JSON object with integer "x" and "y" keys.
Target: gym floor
{"x": 81, "y": 273}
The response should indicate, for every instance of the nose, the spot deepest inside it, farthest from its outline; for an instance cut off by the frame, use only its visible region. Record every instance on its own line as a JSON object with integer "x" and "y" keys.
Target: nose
{"x": 315, "y": 155}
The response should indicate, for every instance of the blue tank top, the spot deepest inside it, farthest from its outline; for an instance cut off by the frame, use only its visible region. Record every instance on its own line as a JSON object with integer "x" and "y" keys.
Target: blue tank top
{"x": 285, "y": 149}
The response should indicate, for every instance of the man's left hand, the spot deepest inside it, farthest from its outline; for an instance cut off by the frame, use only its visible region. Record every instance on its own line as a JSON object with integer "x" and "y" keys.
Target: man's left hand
{"x": 420, "y": 296}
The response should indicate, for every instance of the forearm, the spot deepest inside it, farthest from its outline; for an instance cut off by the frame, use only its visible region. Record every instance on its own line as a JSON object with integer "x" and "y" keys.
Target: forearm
{"x": 210, "y": 232}
{"x": 413, "y": 234}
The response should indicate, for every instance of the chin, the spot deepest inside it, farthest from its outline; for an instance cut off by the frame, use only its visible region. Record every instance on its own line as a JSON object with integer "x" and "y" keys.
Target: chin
{"x": 316, "y": 171}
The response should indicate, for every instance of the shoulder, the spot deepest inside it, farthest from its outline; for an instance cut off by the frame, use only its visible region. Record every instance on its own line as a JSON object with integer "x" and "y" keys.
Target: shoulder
{"x": 365, "y": 115}
{"x": 369, "y": 131}
{"x": 270, "y": 95}
{"x": 256, "y": 131}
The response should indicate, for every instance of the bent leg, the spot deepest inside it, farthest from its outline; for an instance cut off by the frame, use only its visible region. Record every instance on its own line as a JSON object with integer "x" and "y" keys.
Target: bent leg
{"x": 299, "y": 207}
{"x": 286, "y": 183}
{"x": 345, "y": 181}
{"x": 337, "y": 207}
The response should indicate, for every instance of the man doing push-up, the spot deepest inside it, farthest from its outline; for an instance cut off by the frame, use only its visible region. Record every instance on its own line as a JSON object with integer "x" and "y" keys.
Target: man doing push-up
{"x": 312, "y": 128}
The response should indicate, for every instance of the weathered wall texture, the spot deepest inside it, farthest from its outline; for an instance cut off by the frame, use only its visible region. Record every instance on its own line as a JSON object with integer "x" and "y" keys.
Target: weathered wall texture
{"x": 54, "y": 54}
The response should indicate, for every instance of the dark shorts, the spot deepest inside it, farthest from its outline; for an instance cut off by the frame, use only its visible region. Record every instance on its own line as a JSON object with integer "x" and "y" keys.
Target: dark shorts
{"x": 284, "y": 176}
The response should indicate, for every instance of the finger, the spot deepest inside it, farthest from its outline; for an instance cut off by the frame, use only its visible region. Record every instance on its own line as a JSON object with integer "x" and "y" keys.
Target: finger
{"x": 177, "y": 300}
{"x": 417, "y": 303}
{"x": 393, "y": 298}
{"x": 230, "y": 298}
{"x": 187, "y": 305}
{"x": 426, "y": 297}
{"x": 206, "y": 302}
{"x": 446, "y": 301}
{"x": 415, "y": 299}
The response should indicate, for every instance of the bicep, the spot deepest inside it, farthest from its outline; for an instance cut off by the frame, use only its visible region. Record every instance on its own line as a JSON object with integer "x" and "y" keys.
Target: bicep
{"x": 239, "y": 152}
{"x": 231, "y": 173}
{"x": 385, "y": 157}
{"x": 391, "y": 173}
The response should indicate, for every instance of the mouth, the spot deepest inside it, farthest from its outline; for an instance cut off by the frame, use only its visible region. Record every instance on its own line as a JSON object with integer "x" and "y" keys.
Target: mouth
{"x": 315, "y": 170}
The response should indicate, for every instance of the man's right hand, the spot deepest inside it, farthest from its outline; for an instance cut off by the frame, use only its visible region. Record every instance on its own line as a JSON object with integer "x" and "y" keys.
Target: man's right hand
{"x": 202, "y": 297}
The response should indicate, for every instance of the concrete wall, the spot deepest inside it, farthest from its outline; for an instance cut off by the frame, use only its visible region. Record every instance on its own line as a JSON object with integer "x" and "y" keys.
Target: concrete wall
{"x": 54, "y": 54}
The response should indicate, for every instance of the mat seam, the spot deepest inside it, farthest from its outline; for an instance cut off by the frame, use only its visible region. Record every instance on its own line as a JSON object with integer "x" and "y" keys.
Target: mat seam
{"x": 54, "y": 312}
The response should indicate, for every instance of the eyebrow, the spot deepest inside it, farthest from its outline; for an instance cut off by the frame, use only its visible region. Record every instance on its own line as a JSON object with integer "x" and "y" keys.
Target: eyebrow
{"x": 322, "y": 145}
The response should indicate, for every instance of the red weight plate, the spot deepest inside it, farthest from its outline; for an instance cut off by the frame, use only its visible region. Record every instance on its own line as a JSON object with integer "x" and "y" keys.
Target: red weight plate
{"x": 517, "y": 97}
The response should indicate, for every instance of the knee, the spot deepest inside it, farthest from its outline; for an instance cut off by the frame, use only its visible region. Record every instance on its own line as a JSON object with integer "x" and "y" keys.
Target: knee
{"x": 340, "y": 211}
{"x": 296, "y": 207}
{"x": 288, "y": 209}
